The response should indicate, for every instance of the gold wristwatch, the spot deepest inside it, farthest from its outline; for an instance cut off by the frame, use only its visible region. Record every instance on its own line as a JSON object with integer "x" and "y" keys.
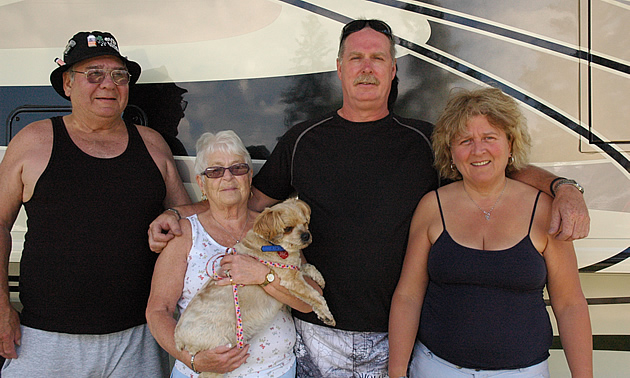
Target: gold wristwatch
{"x": 269, "y": 278}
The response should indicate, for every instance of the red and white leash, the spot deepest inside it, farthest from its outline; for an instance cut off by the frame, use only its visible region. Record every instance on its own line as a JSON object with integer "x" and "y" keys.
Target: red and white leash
{"x": 240, "y": 342}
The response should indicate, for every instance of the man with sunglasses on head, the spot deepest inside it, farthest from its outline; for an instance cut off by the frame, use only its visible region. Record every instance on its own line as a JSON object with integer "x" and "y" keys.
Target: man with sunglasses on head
{"x": 90, "y": 184}
{"x": 362, "y": 169}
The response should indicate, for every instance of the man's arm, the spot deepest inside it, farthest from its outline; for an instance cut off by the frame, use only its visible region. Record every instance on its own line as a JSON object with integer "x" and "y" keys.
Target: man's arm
{"x": 259, "y": 200}
{"x": 10, "y": 334}
{"x": 166, "y": 226}
{"x": 569, "y": 213}
{"x": 161, "y": 154}
{"x": 11, "y": 195}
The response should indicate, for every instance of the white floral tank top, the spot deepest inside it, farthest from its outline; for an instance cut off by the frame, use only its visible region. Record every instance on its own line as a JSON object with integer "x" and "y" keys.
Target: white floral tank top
{"x": 271, "y": 351}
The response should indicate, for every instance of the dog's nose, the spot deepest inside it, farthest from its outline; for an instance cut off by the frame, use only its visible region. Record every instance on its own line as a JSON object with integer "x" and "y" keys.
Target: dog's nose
{"x": 306, "y": 236}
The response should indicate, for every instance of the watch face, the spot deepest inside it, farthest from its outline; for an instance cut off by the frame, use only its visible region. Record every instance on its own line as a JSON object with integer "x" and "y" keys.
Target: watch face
{"x": 270, "y": 277}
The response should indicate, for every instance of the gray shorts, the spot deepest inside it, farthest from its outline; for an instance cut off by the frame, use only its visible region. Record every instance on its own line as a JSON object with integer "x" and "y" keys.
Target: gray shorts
{"x": 129, "y": 353}
{"x": 331, "y": 353}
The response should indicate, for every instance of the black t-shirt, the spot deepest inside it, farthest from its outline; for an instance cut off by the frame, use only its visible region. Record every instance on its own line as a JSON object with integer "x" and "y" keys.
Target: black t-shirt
{"x": 363, "y": 182}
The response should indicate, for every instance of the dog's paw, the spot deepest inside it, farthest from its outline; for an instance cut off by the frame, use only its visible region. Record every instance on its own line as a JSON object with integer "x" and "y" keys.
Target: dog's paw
{"x": 328, "y": 320}
{"x": 323, "y": 313}
{"x": 311, "y": 271}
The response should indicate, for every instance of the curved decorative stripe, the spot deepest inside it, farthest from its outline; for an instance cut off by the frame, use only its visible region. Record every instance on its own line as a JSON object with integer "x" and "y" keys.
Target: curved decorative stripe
{"x": 319, "y": 10}
{"x": 504, "y": 32}
{"x": 616, "y": 259}
{"x": 548, "y": 111}
{"x": 507, "y": 33}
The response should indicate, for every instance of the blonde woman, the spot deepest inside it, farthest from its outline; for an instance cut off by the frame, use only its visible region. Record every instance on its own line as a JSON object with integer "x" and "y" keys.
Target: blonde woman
{"x": 479, "y": 257}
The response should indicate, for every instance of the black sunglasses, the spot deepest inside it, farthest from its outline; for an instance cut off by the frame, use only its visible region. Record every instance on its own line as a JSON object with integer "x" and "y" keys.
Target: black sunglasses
{"x": 236, "y": 170}
{"x": 356, "y": 25}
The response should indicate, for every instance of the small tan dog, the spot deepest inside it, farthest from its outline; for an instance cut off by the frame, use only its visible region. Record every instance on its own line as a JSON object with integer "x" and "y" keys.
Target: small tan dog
{"x": 209, "y": 319}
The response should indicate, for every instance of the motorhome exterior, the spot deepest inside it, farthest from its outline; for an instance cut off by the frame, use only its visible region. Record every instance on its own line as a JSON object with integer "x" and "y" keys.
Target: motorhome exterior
{"x": 260, "y": 66}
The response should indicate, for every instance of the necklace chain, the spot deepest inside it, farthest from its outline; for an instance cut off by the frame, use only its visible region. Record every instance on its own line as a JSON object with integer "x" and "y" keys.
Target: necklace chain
{"x": 228, "y": 232}
{"x": 487, "y": 214}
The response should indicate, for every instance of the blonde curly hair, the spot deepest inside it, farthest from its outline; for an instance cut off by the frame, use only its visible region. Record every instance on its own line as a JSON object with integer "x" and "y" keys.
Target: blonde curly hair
{"x": 502, "y": 112}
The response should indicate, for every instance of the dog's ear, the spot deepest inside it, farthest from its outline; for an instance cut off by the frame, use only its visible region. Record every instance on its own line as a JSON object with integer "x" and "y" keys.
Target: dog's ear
{"x": 269, "y": 224}
{"x": 306, "y": 209}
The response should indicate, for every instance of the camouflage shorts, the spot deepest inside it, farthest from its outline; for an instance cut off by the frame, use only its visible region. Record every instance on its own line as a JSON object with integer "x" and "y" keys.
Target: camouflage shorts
{"x": 328, "y": 352}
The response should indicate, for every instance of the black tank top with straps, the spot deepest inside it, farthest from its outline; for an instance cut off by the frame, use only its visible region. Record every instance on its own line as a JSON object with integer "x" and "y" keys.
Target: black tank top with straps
{"x": 86, "y": 265}
{"x": 484, "y": 309}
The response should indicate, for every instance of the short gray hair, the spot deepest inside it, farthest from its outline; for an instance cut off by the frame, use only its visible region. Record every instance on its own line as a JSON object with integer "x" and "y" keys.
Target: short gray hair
{"x": 225, "y": 141}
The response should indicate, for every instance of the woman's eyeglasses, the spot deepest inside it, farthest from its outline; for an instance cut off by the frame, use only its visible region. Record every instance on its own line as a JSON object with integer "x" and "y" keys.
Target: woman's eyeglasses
{"x": 357, "y": 25}
{"x": 217, "y": 172}
{"x": 97, "y": 75}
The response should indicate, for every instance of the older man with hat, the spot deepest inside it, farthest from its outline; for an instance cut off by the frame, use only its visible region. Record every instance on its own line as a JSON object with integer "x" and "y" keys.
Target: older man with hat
{"x": 90, "y": 184}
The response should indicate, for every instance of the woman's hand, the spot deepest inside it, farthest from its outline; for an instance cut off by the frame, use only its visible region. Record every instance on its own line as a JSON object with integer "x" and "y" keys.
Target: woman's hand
{"x": 243, "y": 270}
{"x": 246, "y": 270}
{"x": 222, "y": 359}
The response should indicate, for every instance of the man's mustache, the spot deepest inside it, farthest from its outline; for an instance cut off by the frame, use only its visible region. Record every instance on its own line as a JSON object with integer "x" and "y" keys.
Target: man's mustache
{"x": 366, "y": 79}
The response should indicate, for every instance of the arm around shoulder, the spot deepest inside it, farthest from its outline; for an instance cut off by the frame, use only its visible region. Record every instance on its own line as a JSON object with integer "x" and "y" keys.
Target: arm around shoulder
{"x": 259, "y": 200}
{"x": 569, "y": 218}
{"x": 167, "y": 225}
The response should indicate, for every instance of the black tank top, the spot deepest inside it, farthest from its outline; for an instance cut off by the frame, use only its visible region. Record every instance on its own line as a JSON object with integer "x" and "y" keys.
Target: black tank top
{"x": 86, "y": 265}
{"x": 485, "y": 309}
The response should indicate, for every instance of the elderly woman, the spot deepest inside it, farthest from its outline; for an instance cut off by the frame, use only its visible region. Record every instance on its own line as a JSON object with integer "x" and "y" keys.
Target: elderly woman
{"x": 225, "y": 178}
{"x": 480, "y": 256}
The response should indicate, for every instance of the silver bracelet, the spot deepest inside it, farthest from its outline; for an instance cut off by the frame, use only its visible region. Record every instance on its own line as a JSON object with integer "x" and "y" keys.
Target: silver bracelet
{"x": 192, "y": 363}
{"x": 179, "y": 216}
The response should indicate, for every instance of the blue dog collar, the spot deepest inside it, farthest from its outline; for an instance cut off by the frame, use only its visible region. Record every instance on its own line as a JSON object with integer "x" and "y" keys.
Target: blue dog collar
{"x": 271, "y": 248}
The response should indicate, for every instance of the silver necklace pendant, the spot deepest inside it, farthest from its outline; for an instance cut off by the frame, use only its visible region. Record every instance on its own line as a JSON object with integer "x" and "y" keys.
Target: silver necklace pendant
{"x": 487, "y": 214}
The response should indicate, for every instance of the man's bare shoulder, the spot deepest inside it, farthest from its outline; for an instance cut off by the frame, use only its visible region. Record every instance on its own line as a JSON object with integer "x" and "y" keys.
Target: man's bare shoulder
{"x": 154, "y": 141}
{"x": 35, "y": 137}
{"x": 26, "y": 158}
{"x": 149, "y": 134}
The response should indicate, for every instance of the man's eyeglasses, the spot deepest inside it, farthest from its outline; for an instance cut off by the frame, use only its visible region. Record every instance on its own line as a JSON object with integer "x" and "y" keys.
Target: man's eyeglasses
{"x": 97, "y": 75}
{"x": 236, "y": 170}
{"x": 357, "y": 25}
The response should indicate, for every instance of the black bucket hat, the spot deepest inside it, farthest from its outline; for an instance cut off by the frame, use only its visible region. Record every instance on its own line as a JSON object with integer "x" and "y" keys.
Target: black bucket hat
{"x": 86, "y": 45}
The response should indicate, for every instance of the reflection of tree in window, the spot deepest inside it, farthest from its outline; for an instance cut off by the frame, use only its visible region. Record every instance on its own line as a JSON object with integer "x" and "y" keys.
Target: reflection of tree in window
{"x": 311, "y": 95}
